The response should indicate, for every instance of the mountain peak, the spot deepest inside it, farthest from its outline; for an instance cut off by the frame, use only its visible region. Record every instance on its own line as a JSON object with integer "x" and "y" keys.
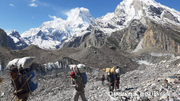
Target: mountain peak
{"x": 79, "y": 15}
{"x": 15, "y": 34}
{"x": 59, "y": 30}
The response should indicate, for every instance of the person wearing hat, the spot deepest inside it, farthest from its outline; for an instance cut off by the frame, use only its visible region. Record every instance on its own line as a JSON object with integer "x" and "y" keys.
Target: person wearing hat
{"x": 111, "y": 80}
{"x": 21, "y": 93}
{"x": 78, "y": 84}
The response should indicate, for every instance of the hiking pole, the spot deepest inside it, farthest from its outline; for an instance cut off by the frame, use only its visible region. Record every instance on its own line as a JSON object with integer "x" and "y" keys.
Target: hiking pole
{"x": 23, "y": 85}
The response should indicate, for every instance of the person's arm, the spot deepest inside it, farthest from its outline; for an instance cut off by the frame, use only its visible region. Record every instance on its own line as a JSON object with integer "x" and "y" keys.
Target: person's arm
{"x": 112, "y": 80}
{"x": 25, "y": 88}
{"x": 14, "y": 90}
{"x": 73, "y": 82}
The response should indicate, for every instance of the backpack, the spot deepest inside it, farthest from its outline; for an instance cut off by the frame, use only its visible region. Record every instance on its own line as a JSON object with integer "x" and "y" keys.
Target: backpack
{"x": 32, "y": 82}
{"x": 84, "y": 77}
{"x": 25, "y": 69}
{"x": 80, "y": 70}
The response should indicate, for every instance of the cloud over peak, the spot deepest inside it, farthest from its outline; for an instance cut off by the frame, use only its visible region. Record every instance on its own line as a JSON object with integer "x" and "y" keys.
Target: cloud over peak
{"x": 75, "y": 12}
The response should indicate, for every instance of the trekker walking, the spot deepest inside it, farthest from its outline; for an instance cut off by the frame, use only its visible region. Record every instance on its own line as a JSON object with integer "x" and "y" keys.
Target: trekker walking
{"x": 20, "y": 92}
{"x": 102, "y": 79}
{"x": 110, "y": 79}
{"x": 79, "y": 87}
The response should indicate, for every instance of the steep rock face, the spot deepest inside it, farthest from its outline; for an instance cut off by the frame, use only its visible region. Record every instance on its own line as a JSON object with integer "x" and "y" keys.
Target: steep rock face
{"x": 3, "y": 38}
{"x": 94, "y": 38}
{"x": 11, "y": 43}
{"x": 15, "y": 41}
{"x": 162, "y": 37}
{"x": 76, "y": 41}
{"x": 128, "y": 38}
{"x": 154, "y": 35}
{"x": 6, "y": 41}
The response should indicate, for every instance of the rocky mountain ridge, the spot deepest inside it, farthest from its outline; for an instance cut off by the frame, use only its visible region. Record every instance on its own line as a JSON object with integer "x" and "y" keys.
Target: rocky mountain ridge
{"x": 75, "y": 31}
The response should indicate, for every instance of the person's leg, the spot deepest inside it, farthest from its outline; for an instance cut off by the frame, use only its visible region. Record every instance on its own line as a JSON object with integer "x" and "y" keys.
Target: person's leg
{"x": 17, "y": 99}
{"x": 22, "y": 97}
{"x": 75, "y": 96}
{"x": 110, "y": 89}
{"x": 25, "y": 97}
{"x": 113, "y": 89}
{"x": 117, "y": 86}
{"x": 83, "y": 96}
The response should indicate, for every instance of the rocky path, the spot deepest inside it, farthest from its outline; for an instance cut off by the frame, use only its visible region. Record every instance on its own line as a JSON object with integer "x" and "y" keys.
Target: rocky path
{"x": 156, "y": 82}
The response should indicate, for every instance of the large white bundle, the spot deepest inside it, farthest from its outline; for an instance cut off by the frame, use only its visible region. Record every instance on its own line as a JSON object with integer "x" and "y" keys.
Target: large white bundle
{"x": 72, "y": 67}
{"x": 117, "y": 71}
{"x": 25, "y": 62}
{"x": 12, "y": 62}
{"x": 82, "y": 68}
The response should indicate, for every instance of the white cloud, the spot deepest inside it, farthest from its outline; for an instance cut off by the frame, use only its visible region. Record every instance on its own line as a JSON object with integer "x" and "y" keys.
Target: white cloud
{"x": 32, "y": 17}
{"x": 55, "y": 18}
{"x": 52, "y": 17}
{"x": 74, "y": 12}
{"x": 11, "y": 4}
{"x": 33, "y": 5}
{"x": 33, "y": 0}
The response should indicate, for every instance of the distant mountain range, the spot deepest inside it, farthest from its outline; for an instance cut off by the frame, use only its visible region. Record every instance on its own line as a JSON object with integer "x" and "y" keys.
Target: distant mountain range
{"x": 133, "y": 23}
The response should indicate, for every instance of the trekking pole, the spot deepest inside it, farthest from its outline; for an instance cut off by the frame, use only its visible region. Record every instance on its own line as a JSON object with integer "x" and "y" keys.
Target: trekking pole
{"x": 23, "y": 85}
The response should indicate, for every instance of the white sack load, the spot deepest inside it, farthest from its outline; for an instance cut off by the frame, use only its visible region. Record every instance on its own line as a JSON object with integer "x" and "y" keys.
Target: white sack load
{"x": 25, "y": 62}
{"x": 82, "y": 68}
{"x": 12, "y": 62}
{"x": 117, "y": 71}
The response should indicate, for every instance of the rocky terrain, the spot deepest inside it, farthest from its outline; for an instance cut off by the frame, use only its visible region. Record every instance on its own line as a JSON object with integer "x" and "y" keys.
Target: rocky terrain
{"x": 144, "y": 45}
{"x": 160, "y": 81}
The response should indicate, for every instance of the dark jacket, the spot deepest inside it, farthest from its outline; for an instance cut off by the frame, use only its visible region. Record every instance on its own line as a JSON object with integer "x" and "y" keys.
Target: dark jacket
{"x": 17, "y": 84}
{"x": 80, "y": 85}
{"x": 111, "y": 79}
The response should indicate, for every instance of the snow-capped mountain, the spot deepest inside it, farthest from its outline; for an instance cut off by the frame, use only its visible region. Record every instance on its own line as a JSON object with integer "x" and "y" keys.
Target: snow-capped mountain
{"x": 129, "y": 23}
{"x": 51, "y": 34}
{"x": 18, "y": 41}
{"x": 142, "y": 10}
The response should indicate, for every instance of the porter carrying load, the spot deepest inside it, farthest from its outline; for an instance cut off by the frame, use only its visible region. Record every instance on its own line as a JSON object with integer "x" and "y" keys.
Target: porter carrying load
{"x": 25, "y": 69}
{"x": 80, "y": 70}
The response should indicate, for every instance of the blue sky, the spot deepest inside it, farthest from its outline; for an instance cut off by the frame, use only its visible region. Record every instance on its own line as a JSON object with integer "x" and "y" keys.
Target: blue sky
{"x": 21, "y": 15}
